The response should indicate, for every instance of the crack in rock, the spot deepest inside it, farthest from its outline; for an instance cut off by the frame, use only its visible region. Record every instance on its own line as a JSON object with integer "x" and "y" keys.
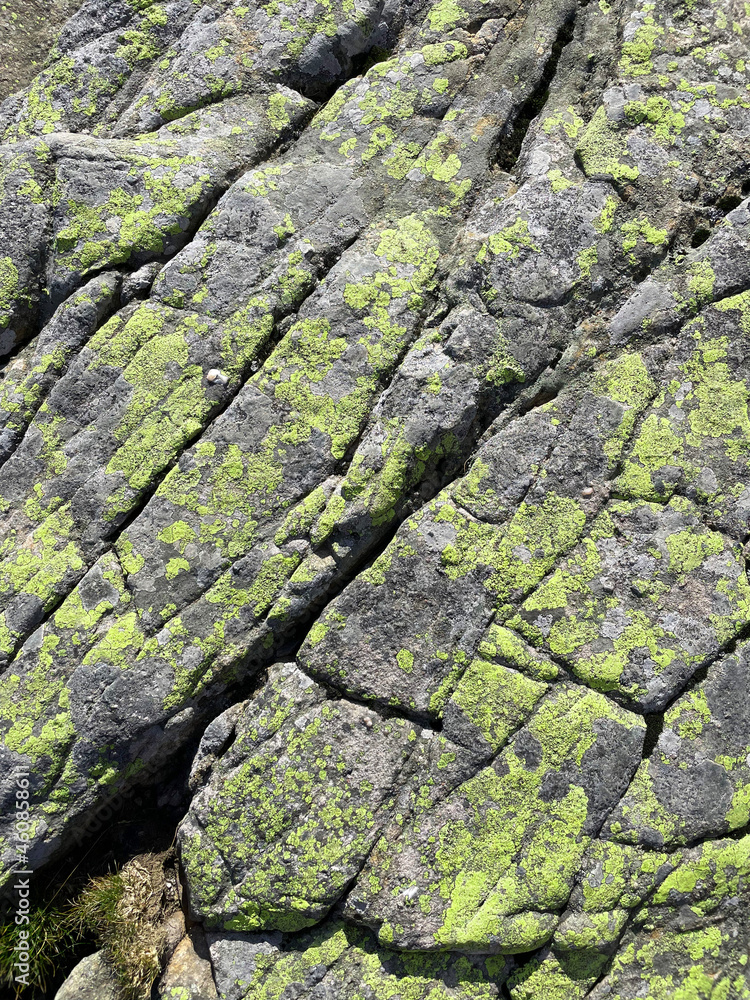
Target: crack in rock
{"x": 374, "y": 425}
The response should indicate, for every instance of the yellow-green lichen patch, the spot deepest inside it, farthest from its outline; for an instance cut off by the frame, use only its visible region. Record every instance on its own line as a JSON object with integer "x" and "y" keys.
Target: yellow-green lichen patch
{"x": 171, "y": 400}
{"x": 657, "y": 114}
{"x": 134, "y": 221}
{"x": 48, "y": 562}
{"x": 696, "y": 437}
{"x": 498, "y": 856}
{"x": 615, "y": 612}
{"x": 445, "y": 15}
{"x": 637, "y": 230}
{"x": 636, "y": 59}
{"x": 603, "y": 222}
{"x": 300, "y": 519}
{"x": 44, "y": 108}
{"x": 479, "y": 567}
{"x": 34, "y": 712}
{"x": 696, "y": 783}
{"x": 707, "y": 876}
{"x": 700, "y": 958}
{"x": 297, "y": 815}
{"x": 570, "y": 123}
{"x": 339, "y": 954}
{"x": 642, "y": 815}
{"x": 378, "y": 484}
{"x": 517, "y": 554}
{"x": 510, "y": 241}
{"x": 23, "y": 389}
{"x": 120, "y": 644}
{"x": 587, "y": 259}
{"x": 618, "y": 876}
{"x": 119, "y": 340}
{"x": 440, "y": 161}
{"x": 493, "y": 700}
{"x": 35, "y": 700}
{"x": 603, "y": 152}
{"x": 443, "y": 52}
{"x": 9, "y": 289}
{"x": 196, "y": 658}
{"x": 626, "y": 381}
{"x": 506, "y": 647}
{"x": 554, "y": 977}
{"x": 296, "y": 376}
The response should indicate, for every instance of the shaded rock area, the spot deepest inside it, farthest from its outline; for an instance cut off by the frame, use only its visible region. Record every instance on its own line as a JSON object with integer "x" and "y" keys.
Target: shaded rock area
{"x": 375, "y": 485}
{"x": 28, "y": 29}
{"x": 91, "y": 979}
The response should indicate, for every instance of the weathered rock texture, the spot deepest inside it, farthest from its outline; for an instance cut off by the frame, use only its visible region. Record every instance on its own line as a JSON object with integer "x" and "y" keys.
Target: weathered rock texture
{"x": 28, "y": 29}
{"x": 409, "y": 339}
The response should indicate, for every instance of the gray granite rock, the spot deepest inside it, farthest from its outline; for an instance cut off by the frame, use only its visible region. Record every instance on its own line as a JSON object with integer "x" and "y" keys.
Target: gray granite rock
{"x": 91, "y": 979}
{"x": 374, "y": 423}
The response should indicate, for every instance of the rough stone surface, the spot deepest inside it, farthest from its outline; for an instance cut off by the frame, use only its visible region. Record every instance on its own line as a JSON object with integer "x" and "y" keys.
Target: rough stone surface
{"x": 374, "y": 428}
{"x": 29, "y": 28}
{"x": 188, "y": 975}
{"x": 90, "y": 980}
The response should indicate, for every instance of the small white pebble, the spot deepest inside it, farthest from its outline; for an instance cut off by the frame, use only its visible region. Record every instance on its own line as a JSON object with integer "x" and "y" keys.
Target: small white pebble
{"x": 587, "y": 492}
{"x": 367, "y": 722}
{"x": 215, "y": 375}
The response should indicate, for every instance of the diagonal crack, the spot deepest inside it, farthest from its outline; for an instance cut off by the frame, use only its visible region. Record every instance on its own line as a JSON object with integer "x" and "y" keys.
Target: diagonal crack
{"x": 509, "y": 148}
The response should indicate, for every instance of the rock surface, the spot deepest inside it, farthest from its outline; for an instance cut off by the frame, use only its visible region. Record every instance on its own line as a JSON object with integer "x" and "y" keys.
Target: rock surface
{"x": 29, "y": 28}
{"x": 91, "y": 979}
{"x": 374, "y": 423}
{"x": 188, "y": 975}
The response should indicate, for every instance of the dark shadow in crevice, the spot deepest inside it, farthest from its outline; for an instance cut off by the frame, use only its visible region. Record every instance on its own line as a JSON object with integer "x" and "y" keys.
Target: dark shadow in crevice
{"x": 545, "y": 395}
{"x": 699, "y": 237}
{"x": 140, "y": 821}
{"x": 510, "y": 146}
{"x": 654, "y": 726}
{"x": 361, "y": 64}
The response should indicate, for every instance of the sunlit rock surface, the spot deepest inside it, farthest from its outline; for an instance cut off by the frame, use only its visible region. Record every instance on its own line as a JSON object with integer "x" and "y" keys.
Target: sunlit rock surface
{"x": 374, "y": 420}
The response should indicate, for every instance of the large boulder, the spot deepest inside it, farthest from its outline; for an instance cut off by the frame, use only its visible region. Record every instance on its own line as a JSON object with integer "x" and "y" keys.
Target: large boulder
{"x": 374, "y": 428}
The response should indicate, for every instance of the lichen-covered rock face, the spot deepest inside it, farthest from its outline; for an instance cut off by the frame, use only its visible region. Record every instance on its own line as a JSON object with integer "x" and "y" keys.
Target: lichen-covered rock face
{"x": 389, "y": 360}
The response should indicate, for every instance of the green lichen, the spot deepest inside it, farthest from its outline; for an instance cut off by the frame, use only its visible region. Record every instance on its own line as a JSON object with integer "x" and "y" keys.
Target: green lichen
{"x": 443, "y": 52}
{"x": 9, "y": 288}
{"x": 43, "y": 109}
{"x": 503, "y": 645}
{"x": 586, "y": 259}
{"x": 511, "y": 241}
{"x": 520, "y": 552}
{"x": 701, "y": 283}
{"x": 602, "y": 151}
{"x": 405, "y": 660}
{"x": 641, "y": 229}
{"x": 688, "y": 549}
{"x": 555, "y": 978}
{"x": 496, "y": 700}
{"x": 579, "y": 609}
{"x": 713, "y": 404}
{"x": 659, "y": 117}
{"x": 516, "y": 852}
{"x": 568, "y": 120}
{"x": 445, "y": 15}
{"x": 603, "y": 222}
{"x": 283, "y": 791}
{"x": 637, "y": 54}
